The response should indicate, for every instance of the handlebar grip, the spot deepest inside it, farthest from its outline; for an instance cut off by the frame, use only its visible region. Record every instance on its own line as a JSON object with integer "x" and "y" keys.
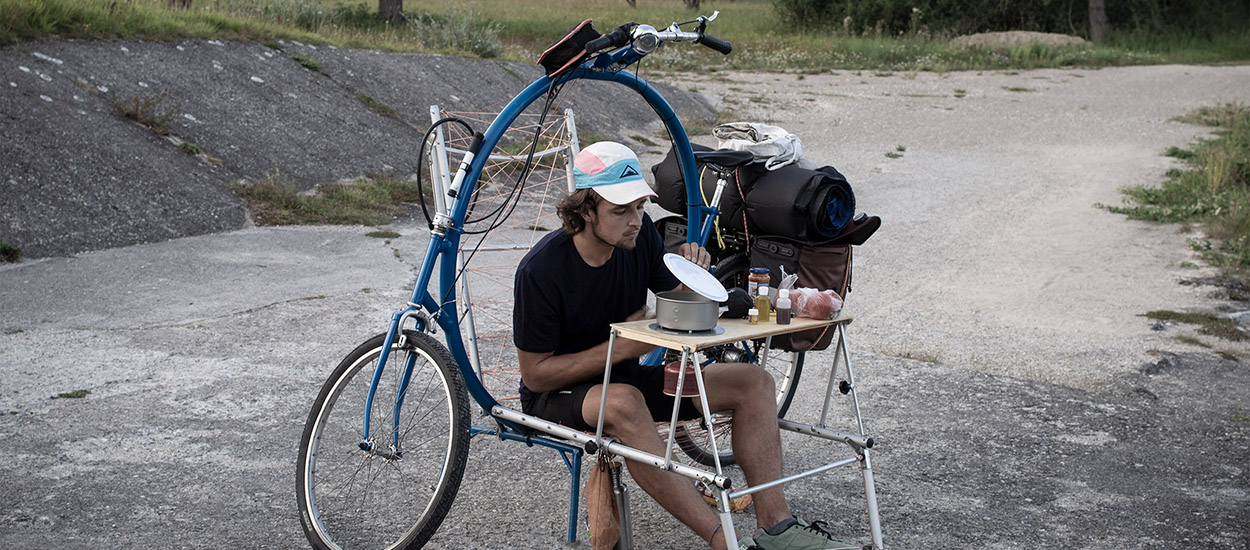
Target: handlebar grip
{"x": 615, "y": 38}
{"x": 599, "y": 43}
{"x": 717, "y": 44}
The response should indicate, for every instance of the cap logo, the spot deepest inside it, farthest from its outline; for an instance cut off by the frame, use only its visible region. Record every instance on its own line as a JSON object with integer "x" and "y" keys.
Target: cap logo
{"x": 628, "y": 172}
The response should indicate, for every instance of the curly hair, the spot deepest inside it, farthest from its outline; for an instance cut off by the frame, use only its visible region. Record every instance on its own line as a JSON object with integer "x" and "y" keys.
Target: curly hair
{"x": 572, "y": 207}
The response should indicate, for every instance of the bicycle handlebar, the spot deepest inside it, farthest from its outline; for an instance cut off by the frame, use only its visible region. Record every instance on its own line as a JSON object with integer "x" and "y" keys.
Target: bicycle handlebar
{"x": 645, "y": 38}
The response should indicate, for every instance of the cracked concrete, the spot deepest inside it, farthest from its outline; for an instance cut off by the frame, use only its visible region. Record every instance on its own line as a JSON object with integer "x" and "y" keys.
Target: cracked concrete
{"x": 199, "y": 357}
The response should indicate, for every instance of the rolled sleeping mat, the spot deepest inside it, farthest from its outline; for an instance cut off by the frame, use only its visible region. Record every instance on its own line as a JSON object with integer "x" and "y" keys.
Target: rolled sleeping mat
{"x": 808, "y": 205}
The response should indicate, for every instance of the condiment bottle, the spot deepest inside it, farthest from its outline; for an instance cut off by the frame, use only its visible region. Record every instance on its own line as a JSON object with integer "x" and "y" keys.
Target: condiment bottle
{"x": 761, "y": 303}
{"x": 783, "y": 307}
{"x": 753, "y": 316}
{"x": 758, "y": 276}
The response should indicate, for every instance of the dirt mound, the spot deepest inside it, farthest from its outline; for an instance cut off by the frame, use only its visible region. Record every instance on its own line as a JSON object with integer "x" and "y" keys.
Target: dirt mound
{"x": 1015, "y": 38}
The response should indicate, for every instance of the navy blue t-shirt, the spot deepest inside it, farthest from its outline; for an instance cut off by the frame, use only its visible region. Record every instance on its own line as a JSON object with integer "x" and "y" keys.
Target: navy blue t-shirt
{"x": 562, "y": 305}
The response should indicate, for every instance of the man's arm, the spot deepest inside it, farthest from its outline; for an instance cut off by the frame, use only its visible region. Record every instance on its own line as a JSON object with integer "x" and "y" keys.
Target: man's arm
{"x": 543, "y": 372}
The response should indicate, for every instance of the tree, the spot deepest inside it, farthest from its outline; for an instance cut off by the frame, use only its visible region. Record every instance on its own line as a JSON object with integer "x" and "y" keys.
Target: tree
{"x": 391, "y": 10}
{"x": 1097, "y": 20}
{"x": 692, "y": 4}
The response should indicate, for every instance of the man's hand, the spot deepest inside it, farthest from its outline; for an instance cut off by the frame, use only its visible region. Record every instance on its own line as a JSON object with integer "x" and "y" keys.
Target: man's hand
{"x": 696, "y": 254}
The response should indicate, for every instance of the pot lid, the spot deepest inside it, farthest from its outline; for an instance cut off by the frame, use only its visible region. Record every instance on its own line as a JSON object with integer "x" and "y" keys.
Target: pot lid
{"x": 696, "y": 278}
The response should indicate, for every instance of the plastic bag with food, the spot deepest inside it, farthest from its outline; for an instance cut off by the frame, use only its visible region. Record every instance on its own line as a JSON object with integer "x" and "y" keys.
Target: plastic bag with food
{"x": 814, "y": 304}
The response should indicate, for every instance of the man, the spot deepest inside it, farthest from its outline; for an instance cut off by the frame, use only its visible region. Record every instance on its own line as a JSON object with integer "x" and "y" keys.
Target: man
{"x": 595, "y": 271}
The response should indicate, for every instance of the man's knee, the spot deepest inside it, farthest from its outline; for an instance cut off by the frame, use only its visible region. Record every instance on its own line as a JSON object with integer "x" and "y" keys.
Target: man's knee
{"x": 625, "y": 407}
{"x": 745, "y": 377}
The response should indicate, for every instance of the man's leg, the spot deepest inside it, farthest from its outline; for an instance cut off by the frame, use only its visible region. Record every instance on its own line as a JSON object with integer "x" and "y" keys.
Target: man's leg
{"x": 750, "y": 393}
{"x": 626, "y": 417}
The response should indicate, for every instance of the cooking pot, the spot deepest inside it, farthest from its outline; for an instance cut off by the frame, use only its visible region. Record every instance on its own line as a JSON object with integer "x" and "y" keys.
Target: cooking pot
{"x": 684, "y": 310}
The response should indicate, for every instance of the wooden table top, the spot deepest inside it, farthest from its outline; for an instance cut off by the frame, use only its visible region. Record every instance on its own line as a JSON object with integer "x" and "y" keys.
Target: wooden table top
{"x": 736, "y": 330}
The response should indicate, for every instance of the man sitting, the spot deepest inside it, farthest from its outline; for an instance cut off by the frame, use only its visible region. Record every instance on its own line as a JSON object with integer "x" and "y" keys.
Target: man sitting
{"x": 596, "y": 271}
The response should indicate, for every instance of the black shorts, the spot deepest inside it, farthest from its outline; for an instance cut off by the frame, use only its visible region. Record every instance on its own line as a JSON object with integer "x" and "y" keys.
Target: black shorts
{"x": 565, "y": 405}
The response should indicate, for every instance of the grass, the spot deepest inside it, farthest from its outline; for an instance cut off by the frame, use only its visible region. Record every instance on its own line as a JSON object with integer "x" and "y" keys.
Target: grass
{"x": 377, "y": 106}
{"x": 644, "y": 140}
{"x": 1191, "y": 340}
{"x": 307, "y": 61}
{"x": 147, "y": 109}
{"x": 76, "y": 394}
{"x": 456, "y": 30}
{"x": 923, "y": 356}
{"x": 9, "y": 253}
{"x": 516, "y": 30}
{"x": 1220, "y": 327}
{"x": 1213, "y": 190}
{"x": 382, "y": 234}
{"x": 371, "y": 200}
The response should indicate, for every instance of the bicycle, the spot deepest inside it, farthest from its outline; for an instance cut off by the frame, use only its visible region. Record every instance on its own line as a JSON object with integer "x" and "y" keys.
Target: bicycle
{"x": 384, "y": 449}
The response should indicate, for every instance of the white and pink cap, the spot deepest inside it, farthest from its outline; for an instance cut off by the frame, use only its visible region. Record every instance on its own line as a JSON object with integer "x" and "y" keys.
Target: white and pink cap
{"x": 613, "y": 171}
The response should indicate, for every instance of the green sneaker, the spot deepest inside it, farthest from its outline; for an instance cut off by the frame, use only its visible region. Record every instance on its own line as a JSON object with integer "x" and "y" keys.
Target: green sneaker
{"x": 747, "y": 543}
{"x": 801, "y": 535}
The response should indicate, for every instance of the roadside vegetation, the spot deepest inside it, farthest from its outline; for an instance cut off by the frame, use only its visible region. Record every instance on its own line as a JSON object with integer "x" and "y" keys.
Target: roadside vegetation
{"x": 9, "y": 253}
{"x": 1212, "y": 191}
{"x": 767, "y": 34}
{"x": 455, "y": 30}
{"x": 370, "y": 200}
{"x": 1210, "y": 324}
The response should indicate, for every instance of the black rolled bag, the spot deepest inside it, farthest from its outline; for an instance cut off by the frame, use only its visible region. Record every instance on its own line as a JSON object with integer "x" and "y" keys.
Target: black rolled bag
{"x": 797, "y": 203}
{"x": 802, "y": 204}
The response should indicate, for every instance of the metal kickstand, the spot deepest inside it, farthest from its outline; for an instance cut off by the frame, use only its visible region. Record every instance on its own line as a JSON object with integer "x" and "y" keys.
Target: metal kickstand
{"x": 621, "y": 492}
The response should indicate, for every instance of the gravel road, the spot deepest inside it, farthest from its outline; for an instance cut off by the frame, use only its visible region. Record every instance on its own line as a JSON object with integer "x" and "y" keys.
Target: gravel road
{"x": 1018, "y": 398}
{"x": 992, "y": 256}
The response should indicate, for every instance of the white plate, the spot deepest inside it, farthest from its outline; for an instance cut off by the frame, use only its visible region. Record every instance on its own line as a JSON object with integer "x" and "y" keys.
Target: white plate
{"x": 696, "y": 278}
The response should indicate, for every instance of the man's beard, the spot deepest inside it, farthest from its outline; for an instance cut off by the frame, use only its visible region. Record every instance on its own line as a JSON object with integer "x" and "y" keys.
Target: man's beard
{"x": 625, "y": 243}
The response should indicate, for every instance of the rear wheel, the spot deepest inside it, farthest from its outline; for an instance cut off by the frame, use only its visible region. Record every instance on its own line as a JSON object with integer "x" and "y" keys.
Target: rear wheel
{"x": 785, "y": 368}
{"x": 392, "y": 489}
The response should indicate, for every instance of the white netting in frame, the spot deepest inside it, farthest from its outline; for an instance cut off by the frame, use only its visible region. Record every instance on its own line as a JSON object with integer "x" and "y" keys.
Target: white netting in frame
{"x": 520, "y": 214}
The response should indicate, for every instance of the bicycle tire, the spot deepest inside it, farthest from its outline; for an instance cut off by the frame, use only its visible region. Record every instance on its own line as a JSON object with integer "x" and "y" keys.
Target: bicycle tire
{"x": 692, "y": 437}
{"x": 349, "y": 497}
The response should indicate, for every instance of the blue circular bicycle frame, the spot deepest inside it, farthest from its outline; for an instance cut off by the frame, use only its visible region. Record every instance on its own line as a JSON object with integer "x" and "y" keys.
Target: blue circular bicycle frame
{"x": 444, "y": 245}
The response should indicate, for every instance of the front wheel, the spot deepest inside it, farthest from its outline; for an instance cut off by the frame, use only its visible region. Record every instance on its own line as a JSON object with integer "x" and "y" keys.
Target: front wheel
{"x": 393, "y": 488}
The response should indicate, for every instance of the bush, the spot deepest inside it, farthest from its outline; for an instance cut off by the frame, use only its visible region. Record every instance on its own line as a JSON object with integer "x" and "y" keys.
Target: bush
{"x": 9, "y": 253}
{"x": 971, "y": 16}
{"x": 460, "y": 29}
